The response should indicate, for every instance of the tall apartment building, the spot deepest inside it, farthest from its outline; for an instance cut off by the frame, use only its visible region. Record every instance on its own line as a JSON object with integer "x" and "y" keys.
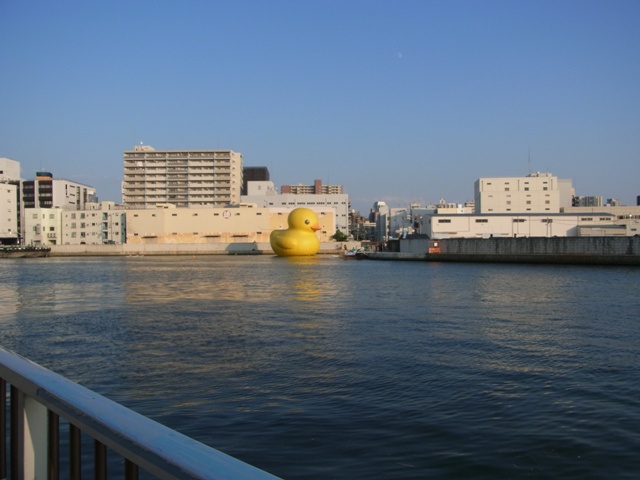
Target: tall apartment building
{"x": 535, "y": 193}
{"x": 184, "y": 178}
{"x": 316, "y": 189}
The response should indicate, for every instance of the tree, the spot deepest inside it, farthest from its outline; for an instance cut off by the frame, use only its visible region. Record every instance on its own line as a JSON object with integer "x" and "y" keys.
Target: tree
{"x": 339, "y": 236}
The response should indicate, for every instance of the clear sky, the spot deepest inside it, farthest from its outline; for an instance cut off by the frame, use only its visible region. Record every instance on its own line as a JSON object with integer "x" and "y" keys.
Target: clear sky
{"x": 399, "y": 100}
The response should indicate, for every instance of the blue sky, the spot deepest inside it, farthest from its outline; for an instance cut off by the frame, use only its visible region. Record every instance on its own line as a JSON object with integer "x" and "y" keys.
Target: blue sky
{"x": 400, "y": 101}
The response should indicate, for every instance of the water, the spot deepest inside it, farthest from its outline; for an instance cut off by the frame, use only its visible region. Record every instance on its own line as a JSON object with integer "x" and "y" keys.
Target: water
{"x": 317, "y": 368}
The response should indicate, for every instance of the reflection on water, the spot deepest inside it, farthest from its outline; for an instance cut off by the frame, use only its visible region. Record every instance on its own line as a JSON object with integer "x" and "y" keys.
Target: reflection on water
{"x": 314, "y": 367}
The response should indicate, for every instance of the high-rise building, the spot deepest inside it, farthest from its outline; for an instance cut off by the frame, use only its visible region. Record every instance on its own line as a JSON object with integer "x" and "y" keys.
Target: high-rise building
{"x": 184, "y": 178}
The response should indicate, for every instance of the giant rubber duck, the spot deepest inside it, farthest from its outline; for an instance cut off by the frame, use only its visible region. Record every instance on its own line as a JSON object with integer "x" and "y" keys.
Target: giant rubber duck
{"x": 300, "y": 238}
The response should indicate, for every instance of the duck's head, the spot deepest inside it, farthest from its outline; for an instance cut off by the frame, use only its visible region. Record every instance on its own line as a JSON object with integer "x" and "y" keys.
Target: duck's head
{"x": 303, "y": 219}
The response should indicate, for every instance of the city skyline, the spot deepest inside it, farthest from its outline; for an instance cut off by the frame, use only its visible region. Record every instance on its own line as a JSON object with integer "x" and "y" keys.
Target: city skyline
{"x": 399, "y": 102}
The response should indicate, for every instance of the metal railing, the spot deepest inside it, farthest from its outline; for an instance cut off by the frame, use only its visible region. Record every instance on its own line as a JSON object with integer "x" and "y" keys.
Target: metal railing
{"x": 30, "y": 435}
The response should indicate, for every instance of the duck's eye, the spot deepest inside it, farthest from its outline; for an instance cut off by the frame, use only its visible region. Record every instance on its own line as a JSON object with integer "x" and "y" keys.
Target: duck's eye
{"x": 307, "y": 222}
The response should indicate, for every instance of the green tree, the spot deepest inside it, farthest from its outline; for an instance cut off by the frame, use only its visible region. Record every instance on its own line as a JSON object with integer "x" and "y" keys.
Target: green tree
{"x": 339, "y": 236}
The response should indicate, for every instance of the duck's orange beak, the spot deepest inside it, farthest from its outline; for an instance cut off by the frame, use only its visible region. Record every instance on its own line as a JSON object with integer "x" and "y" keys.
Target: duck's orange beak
{"x": 315, "y": 226}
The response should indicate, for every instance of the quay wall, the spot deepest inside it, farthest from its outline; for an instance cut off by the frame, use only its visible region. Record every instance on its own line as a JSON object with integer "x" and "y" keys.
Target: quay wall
{"x": 576, "y": 250}
{"x": 247, "y": 248}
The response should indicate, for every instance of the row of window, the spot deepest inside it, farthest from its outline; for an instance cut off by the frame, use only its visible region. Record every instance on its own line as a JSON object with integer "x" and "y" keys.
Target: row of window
{"x": 486, "y": 220}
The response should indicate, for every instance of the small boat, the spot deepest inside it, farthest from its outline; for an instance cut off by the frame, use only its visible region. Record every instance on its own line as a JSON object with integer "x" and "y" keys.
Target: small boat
{"x": 354, "y": 254}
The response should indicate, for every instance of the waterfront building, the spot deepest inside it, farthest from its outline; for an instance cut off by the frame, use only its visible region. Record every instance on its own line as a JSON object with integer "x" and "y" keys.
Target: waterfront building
{"x": 264, "y": 195}
{"x": 9, "y": 207}
{"x": 538, "y": 205}
{"x": 244, "y": 223}
{"x": 42, "y": 226}
{"x": 535, "y": 193}
{"x": 577, "y": 221}
{"x": 98, "y": 224}
{"x": 46, "y": 192}
{"x": 184, "y": 178}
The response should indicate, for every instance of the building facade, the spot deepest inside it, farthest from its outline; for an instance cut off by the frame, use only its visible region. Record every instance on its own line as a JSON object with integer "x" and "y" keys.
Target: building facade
{"x": 316, "y": 189}
{"x": 535, "y": 193}
{"x": 42, "y": 227}
{"x": 167, "y": 224}
{"x": 48, "y": 192}
{"x": 9, "y": 206}
{"x": 184, "y": 178}
{"x": 253, "y": 174}
{"x": 98, "y": 224}
{"x": 598, "y": 223}
{"x": 265, "y": 196}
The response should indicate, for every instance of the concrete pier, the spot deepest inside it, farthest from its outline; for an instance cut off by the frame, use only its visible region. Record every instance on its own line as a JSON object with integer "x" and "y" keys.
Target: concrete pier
{"x": 559, "y": 250}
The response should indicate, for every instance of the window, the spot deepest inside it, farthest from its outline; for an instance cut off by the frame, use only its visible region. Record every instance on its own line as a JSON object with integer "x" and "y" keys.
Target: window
{"x": 482, "y": 220}
{"x": 519, "y": 220}
{"x": 444, "y": 220}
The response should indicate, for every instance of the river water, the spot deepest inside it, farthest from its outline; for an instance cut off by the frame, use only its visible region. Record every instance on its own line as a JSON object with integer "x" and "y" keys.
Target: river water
{"x": 320, "y": 368}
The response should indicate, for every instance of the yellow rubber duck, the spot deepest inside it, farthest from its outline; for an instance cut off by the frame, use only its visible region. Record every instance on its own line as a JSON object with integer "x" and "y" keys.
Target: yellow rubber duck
{"x": 300, "y": 238}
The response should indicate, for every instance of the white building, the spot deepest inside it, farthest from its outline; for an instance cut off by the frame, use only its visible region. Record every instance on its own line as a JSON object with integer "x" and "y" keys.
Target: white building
{"x": 538, "y": 205}
{"x": 9, "y": 181}
{"x": 535, "y": 193}
{"x": 536, "y": 225}
{"x": 184, "y": 178}
{"x": 100, "y": 224}
{"x": 97, "y": 225}
{"x": 42, "y": 226}
{"x": 265, "y": 196}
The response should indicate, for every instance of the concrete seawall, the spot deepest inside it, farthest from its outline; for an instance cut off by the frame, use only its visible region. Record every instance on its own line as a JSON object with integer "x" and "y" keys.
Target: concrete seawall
{"x": 250, "y": 248}
{"x": 564, "y": 250}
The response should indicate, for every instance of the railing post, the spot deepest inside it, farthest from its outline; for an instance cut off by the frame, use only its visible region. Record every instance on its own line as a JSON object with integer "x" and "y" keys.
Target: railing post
{"x": 17, "y": 433}
{"x": 54, "y": 446}
{"x": 3, "y": 429}
{"x": 75, "y": 467}
{"x": 36, "y": 426}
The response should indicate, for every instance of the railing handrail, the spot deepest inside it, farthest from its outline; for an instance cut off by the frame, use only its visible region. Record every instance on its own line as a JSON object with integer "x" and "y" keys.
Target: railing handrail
{"x": 161, "y": 451}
